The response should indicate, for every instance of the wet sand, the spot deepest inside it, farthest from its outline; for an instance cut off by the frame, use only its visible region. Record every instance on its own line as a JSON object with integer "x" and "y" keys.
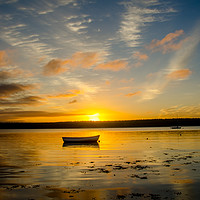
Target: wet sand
{"x": 142, "y": 165}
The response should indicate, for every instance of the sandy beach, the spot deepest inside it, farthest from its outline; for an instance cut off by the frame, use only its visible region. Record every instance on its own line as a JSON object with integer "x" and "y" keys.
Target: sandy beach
{"x": 135, "y": 165}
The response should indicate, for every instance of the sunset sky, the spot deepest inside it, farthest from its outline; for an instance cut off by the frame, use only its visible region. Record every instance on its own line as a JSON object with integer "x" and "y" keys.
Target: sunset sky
{"x": 72, "y": 60}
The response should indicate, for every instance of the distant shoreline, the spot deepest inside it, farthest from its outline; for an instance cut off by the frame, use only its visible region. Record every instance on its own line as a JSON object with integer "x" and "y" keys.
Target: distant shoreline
{"x": 103, "y": 124}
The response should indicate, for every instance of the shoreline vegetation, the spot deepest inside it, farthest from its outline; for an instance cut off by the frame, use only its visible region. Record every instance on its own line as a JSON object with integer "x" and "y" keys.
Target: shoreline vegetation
{"x": 103, "y": 124}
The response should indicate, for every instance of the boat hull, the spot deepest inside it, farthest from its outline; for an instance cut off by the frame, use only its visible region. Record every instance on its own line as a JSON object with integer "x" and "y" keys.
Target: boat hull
{"x": 91, "y": 139}
{"x": 175, "y": 127}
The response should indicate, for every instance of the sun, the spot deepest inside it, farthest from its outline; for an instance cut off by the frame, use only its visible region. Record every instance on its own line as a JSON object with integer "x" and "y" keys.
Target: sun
{"x": 94, "y": 117}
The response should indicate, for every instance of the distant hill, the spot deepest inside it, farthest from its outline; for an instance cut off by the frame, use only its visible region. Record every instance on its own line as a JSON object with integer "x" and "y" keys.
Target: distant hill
{"x": 104, "y": 124}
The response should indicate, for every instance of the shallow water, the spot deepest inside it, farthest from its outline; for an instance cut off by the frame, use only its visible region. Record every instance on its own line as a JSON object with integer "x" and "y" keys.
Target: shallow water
{"x": 142, "y": 163}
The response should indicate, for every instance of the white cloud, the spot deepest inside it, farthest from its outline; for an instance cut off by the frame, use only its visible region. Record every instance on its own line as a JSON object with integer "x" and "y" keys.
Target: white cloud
{"x": 52, "y": 34}
{"x": 16, "y": 36}
{"x": 76, "y": 26}
{"x": 78, "y": 23}
{"x": 136, "y": 17}
{"x": 8, "y": 1}
{"x": 44, "y": 7}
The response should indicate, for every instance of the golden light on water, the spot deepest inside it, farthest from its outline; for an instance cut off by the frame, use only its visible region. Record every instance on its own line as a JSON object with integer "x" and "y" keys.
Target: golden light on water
{"x": 94, "y": 117}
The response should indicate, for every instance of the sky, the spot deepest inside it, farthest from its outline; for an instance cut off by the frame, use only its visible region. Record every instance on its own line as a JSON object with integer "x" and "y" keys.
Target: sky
{"x": 79, "y": 60}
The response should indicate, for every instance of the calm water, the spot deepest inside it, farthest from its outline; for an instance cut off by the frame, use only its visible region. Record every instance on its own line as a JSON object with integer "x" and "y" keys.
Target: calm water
{"x": 148, "y": 163}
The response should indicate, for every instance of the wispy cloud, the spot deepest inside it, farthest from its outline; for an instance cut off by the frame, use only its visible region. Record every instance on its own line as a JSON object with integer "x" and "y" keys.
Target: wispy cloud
{"x": 175, "y": 70}
{"x": 78, "y": 23}
{"x": 14, "y": 89}
{"x": 17, "y": 36}
{"x": 115, "y": 65}
{"x": 139, "y": 58}
{"x": 168, "y": 43}
{"x": 133, "y": 94}
{"x": 44, "y": 7}
{"x": 9, "y": 89}
{"x": 54, "y": 67}
{"x": 51, "y": 29}
{"x": 126, "y": 81}
{"x": 181, "y": 110}
{"x": 138, "y": 15}
{"x": 13, "y": 73}
{"x": 180, "y": 74}
{"x": 8, "y": 2}
{"x": 87, "y": 90}
{"x": 84, "y": 59}
{"x": 73, "y": 101}
{"x": 4, "y": 60}
{"x": 24, "y": 101}
{"x": 71, "y": 93}
{"x": 20, "y": 115}
{"x": 78, "y": 60}
{"x": 5, "y": 75}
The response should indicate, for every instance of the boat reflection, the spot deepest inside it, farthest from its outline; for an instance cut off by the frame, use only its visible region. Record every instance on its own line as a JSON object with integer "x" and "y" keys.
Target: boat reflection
{"x": 82, "y": 145}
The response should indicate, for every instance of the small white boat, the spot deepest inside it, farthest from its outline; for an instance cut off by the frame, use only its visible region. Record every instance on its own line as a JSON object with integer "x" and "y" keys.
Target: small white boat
{"x": 90, "y": 139}
{"x": 175, "y": 127}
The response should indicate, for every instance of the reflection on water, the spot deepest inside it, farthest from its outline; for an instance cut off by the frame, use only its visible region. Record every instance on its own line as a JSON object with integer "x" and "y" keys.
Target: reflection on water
{"x": 82, "y": 145}
{"x": 165, "y": 163}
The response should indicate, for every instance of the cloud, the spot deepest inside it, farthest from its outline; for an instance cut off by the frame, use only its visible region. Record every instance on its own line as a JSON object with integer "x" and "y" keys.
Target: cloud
{"x": 8, "y": 2}
{"x": 180, "y": 110}
{"x": 19, "y": 115}
{"x": 15, "y": 73}
{"x": 9, "y": 89}
{"x": 31, "y": 44}
{"x": 115, "y": 65}
{"x": 108, "y": 82}
{"x": 67, "y": 95}
{"x": 173, "y": 46}
{"x": 5, "y": 75}
{"x": 167, "y": 44}
{"x": 34, "y": 42}
{"x": 31, "y": 100}
{"x": 78, "y": 60}
{"x": 78, "y": 23}
{"x": 71, "y": 93}
{"x": 84, "y": 59}
{"x": 179, "y": 74}
{"x": 140, "y": 56}
{"x": 24, "y": 101}
{"x": 41, "y": 59}
{"x": 54, "y": 67}
{"x": 44, "y": 6}
{"x": 175, "y": 70}
{"x": 76, "y": 26}
{"x": 133, "y": 94}
{"x": 168, "y": 38}
{"x": 86, "y": 89}
{"x": 138, "y": 64}
{"x": 4, "y": 60}
{"x": 73, "y": 101}
{"x": 138, "y": 14}
{"x": 126, "y": 80}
